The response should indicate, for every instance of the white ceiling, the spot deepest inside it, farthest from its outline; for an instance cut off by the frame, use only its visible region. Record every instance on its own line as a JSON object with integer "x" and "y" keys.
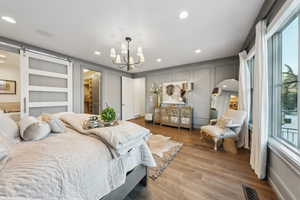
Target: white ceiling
{"x": 78, "y": 28}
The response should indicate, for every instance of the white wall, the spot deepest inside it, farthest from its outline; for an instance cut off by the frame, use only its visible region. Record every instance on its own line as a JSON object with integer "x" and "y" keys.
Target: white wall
{"x": 10, "y": 72}
{"x": 139, "y": 96}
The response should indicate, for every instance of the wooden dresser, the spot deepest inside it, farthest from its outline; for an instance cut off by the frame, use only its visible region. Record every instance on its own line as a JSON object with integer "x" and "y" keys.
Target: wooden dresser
{"x": 181, "y": 117}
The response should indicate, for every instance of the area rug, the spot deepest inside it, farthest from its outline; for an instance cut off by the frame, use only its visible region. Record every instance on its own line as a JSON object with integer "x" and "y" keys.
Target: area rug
{"x": 164, "y": 150}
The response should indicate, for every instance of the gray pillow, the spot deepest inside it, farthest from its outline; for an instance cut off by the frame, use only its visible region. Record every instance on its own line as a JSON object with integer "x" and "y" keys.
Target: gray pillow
{"x": 32, "y": 129}
{"x": 56, "y": 125}
{"x": 9, "y": 128}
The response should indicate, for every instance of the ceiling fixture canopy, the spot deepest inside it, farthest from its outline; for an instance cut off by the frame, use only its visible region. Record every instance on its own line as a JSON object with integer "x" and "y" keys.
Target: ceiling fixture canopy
{"x": 124, "y": 59}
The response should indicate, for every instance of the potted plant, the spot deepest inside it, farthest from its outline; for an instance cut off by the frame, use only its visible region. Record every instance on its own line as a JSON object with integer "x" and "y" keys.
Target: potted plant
{"x": 108, "y": 116}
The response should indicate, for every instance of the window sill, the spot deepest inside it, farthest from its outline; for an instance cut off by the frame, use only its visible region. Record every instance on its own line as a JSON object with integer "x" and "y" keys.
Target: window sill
{"x": 286, "y": 154}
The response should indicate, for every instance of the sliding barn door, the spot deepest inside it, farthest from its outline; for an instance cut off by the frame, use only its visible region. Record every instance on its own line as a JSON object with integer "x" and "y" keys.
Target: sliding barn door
{"x": 47, "y": 84}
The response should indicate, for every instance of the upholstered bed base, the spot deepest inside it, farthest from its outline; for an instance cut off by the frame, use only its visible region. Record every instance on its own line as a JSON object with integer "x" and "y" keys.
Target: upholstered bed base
{"x": 136, "y": 176}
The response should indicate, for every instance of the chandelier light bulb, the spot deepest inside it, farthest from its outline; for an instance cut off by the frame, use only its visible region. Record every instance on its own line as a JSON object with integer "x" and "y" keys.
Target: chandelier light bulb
{"x": 123, "y": 49}
{"x": 113, "y": 53}
{"x": 139, "y": 51}
{"x": 118, "y": 59}
{"x": 131, "y": 60}
{"x": 142, "y": 58}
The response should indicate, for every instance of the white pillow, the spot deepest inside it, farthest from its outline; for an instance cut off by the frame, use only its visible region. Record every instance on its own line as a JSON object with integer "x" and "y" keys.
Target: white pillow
{"x": 32, "y": 129}
{"x": 56, "y": 125}
{"x": 224, "y": 122}
{"x": 9, "y": 128}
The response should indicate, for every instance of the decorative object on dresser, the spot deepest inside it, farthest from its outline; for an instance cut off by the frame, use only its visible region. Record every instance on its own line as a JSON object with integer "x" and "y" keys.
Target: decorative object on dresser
{"x": 181, "y": 117}
{"x": 156, "y": 91}
{"x": 156, "y": 115}
{"x": 175, "y": 92}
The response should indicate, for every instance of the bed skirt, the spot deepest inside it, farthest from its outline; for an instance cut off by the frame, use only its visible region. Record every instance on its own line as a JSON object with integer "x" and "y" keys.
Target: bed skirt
{"x": 133, "y": 178}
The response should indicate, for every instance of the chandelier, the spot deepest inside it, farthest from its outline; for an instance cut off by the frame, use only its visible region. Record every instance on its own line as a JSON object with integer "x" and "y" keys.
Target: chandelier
{"x": 124, "y": 58}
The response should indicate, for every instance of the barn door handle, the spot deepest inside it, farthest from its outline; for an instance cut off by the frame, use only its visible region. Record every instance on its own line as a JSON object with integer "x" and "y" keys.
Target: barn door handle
{"x": 25, "y": 105}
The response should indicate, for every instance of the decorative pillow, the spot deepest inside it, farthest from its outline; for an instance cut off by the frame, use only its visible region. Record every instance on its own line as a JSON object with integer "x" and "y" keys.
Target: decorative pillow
{"x": 9, "y": 128}
{"x": 224, "y": 122}
{"x": 32, "y": 129}
{"x": 56, "y": 125}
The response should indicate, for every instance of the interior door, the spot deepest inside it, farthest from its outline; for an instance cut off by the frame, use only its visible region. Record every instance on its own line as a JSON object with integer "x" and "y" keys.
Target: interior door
{"x": 127, "y": 98}
{"x": 47, "y": 84}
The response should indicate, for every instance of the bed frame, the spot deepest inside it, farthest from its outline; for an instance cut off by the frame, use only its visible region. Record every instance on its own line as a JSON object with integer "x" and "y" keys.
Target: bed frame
{"x": 137, "y": 176}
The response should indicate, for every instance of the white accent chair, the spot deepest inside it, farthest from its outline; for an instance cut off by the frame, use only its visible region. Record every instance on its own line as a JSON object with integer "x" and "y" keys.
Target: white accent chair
{"x": 231, "y": 130}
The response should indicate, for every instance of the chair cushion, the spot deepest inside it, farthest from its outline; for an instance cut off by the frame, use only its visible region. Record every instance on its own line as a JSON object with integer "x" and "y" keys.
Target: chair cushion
{"x": 218, "y": 132}
{"x": 9, "y": 128}
{"x": 224, "y": 122}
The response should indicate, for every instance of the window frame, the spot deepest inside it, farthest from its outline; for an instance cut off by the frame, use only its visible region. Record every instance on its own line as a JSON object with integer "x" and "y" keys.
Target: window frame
{"x": 275, "y": 66}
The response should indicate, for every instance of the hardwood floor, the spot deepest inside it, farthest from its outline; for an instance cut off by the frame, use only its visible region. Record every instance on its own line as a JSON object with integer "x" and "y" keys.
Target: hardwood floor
{"x": 200, "y": 173}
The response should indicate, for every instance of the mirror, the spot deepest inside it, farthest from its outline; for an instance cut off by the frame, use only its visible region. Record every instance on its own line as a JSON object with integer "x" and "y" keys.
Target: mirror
{"x": 223, "y": 98}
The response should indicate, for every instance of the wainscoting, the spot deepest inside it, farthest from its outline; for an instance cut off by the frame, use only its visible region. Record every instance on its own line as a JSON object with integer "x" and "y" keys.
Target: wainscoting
{"x": 205, "y": 76}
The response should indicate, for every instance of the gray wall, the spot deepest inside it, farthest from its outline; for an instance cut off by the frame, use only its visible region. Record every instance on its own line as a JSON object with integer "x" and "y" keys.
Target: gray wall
{"x": 204, "y": 75}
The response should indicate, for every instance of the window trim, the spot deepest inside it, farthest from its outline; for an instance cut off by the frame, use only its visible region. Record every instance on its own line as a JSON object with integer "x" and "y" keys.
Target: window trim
{"x": 289, "y": 153}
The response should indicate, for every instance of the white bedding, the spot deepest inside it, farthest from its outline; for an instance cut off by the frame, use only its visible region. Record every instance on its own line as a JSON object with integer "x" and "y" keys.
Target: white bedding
{"x": 67, "y": 166}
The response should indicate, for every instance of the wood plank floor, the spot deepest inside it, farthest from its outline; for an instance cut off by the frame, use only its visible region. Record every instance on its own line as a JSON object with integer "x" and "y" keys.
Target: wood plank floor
{"x": 200, "y": 173}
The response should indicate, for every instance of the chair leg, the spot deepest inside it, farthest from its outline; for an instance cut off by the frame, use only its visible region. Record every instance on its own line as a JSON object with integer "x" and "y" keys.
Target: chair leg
{"x": 216, "y": 144}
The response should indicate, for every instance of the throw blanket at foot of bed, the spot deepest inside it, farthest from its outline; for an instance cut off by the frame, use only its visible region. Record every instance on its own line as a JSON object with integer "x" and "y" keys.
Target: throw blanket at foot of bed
{"x": 121, "y": 138}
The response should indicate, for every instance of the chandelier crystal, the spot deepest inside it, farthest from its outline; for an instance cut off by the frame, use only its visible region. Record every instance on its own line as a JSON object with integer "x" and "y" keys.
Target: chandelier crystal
{"x": 124, "y": 59}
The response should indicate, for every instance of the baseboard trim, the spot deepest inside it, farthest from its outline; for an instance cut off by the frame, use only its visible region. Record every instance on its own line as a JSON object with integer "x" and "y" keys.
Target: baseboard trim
{"x": 276, "y": 190}
{"x": 280, "y": 195}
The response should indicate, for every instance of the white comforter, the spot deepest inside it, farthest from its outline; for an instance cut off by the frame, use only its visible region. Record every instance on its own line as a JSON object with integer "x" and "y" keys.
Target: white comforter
{"x": 120, "y": 138}
{"x": 67, "y": 166}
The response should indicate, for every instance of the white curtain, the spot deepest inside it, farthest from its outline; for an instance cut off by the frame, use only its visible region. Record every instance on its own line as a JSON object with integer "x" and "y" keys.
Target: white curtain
{"x": 258, "y": 158}
{"x": 244, "y": 98}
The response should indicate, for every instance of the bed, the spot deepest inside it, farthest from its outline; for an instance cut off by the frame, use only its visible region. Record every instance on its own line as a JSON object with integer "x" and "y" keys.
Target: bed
{"x": 69, "y": 166}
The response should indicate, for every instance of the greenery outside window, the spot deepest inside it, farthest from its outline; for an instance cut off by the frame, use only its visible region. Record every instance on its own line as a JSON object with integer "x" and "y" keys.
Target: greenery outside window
{"x": 284, "y": 66}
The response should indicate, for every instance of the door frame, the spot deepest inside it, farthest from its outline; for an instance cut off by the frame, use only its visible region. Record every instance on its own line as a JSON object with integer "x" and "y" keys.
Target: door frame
{"x": 82, "y": 87}
{"x": 91, "y": 68}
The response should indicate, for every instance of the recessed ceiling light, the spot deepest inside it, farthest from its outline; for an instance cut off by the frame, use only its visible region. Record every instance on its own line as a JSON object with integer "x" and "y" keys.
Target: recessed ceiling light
{"x": 86, "y": 70}
{"x": 158, "y": 60}
{"x": 183, "y": 15}
{"x": 2, "y": 56}
{"x": 224, "y": 86}
{"x": 97, "y": 53}
{"x": 198, "y": 51}
{"x": 8, "y": 19}
{"x": 2, "y": 61}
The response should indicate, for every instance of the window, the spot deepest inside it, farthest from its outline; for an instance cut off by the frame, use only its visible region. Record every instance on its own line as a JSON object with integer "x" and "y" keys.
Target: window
{"x": 284, "y": 64}
{"x": 251, "y": 63}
